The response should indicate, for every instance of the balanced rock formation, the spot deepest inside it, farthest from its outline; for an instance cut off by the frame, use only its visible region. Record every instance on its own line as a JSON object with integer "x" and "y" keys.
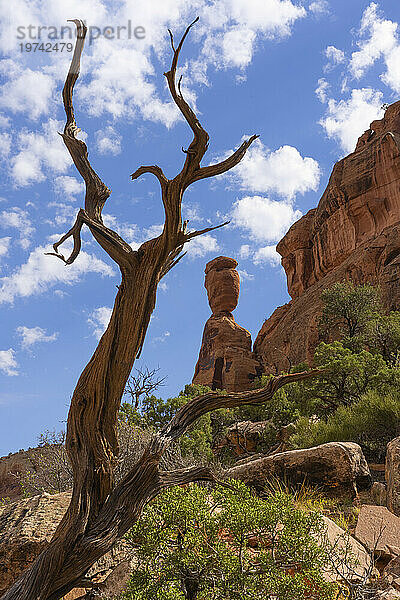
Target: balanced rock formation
{"x": 354, "y": 234}
{"x": 336, "y": 466}
{"x": 226, "y": 360}
{"x": 26, "y": 528}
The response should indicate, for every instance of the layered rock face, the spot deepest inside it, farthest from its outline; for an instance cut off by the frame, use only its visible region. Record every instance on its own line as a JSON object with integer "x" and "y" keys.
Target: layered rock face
{"x": 226, "y": 360}
{"x": 26, "y": 528}
{"x": 354, "y": 233}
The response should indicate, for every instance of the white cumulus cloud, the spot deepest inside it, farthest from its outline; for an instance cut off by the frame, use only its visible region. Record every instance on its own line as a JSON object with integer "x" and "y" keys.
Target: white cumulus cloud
{"x": 4, "y": 245}
{"x": 108, "y": 141}
{"x": 267, "y": 255}
{"x": 334, "y": 55}
{"x": 34, "y": 335}
{"x": 263, "y": 219}
{"x": 17, "y": 218}
{"x": 42, "y": 272}
{"x": 64, "y": 214}
{"x": 244, "y": 275}
{"x": 40, "y": 153}
{"x": 322, "y": 90}
{"x": 346, "y": 120}
{"x": 99, "y": 319}
{"x": 319, "y": 7}
{"x": 244, "y": 251}
{"x": 283, "y": 171}
{"x": 201, "y": 246}
{"x": 68, "y": 187}
{"x": 5, "y": 144}
{"x": 379, "y": 40}
{"x": 26, "y": 91}
{"x": 8, "y": 363}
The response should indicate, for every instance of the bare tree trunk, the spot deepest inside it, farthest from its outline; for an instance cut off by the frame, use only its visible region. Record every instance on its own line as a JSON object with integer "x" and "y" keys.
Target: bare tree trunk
{"x": 100, "y": 512}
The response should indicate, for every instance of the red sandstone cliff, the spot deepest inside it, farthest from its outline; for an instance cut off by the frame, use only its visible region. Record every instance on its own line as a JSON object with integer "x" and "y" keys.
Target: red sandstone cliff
{"x": 353, "y": 233}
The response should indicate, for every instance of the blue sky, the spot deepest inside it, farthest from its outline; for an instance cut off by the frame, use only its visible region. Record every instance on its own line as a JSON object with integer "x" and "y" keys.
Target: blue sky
{"x": 308, "y": 76}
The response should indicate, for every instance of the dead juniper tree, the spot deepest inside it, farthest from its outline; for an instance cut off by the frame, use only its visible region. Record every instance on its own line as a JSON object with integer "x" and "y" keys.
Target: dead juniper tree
{"x": 101, "y": 511}
{"x": 142, "y": 385}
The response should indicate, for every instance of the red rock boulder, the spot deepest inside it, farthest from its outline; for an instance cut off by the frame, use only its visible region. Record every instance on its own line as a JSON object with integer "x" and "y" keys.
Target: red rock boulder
{"x": 337, "y": 467}
{"x": 222, "y": 283}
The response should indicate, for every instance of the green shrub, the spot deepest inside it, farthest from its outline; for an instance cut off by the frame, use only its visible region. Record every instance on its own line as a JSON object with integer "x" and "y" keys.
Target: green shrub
{"x": 227, "y": 544}
{"x": 371, "y": 422}
{"x": 347, "y": 375}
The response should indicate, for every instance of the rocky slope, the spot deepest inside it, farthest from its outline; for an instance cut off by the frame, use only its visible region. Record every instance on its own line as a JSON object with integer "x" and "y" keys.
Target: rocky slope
{"x": 26, "y": 528}
{"x": 352, "y": 234}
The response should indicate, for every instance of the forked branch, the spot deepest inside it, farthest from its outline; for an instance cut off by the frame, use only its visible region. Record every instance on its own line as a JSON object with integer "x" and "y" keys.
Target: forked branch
{"x": 225, "y": 165}
{"x": 75, "y": 233}
{"x": 96, "y": 191}
{"x": 192, "y": 170}
{"x": 199, "y": 145}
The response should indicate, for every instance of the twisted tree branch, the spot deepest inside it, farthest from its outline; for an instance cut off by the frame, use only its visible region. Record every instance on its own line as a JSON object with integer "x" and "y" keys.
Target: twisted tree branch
{"x": 201, "y": 405}
{"x": 100, "y": 511}
{"x": 154, "y": 170}
{"x": 96, "y": 191}
{"x": 184, "y": 476}
{"x": 199, "y": 144}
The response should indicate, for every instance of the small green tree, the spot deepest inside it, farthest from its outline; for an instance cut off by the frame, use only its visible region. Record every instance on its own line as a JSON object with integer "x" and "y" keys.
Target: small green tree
{"x": 382, "y": 336}
{"x": 347, "y": 311}
{"x": 228, "y": 544}
{"x": 348, "y": 375}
